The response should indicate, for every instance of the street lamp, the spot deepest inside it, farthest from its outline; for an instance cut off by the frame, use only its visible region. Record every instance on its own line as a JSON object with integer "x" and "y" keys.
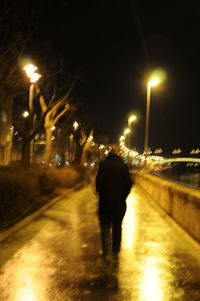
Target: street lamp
{"x": 33, "y": 76}
{"x": 131, "y": 119}
{"x": 153, "y": 82}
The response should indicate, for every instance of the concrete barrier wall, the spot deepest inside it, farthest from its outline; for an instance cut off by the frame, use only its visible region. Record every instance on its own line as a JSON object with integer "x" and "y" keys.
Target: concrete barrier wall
{"x": 181, "y": 203}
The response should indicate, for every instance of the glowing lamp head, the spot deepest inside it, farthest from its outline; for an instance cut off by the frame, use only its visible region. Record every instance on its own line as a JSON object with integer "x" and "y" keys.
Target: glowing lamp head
{"x": 34, "y": 77}
{"x": 75, "y": 125}
{"x": 132, "y": 118}
{"x": 153, "y": 82}
{"x": 30, "y": 69}
{"x": 127, "y": 131}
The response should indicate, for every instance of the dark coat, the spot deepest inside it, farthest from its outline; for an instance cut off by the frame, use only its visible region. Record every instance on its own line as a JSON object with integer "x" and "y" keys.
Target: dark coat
{"x": 113, "y": 183}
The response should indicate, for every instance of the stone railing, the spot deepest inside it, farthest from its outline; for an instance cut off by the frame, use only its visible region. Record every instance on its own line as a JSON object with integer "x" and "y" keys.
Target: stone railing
{"x": 181, "y": 203}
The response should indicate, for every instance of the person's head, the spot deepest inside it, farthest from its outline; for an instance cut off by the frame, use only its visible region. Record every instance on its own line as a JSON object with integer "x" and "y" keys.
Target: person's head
{"x": 114, "y": 149}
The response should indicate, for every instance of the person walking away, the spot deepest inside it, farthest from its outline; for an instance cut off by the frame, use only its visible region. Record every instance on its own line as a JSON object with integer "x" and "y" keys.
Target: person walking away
{"x": 113, "y": 184}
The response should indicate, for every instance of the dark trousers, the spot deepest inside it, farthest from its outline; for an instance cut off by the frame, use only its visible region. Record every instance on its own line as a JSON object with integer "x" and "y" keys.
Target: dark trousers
{"x": 111, "y": 230}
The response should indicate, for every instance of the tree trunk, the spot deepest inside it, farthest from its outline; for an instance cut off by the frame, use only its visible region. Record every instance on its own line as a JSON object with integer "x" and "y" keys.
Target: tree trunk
{"x": 63, "y": 144}
{"x": 79, "y": 150}
{"x": 26, "y": 146}
{"x": 48, "y": 149}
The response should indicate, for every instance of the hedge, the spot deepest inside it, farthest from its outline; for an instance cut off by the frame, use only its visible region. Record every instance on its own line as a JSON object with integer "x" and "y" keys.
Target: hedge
{"x": 23, "y": 191}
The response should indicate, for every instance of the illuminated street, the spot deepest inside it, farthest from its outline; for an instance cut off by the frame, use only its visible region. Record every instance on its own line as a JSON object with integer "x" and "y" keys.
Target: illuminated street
{"x": 57, "y": 257}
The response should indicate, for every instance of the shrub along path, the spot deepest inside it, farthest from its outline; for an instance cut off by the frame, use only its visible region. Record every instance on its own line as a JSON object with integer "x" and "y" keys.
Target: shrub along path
{"x": 25, "y": 191}
{"x": 24, "y": 220}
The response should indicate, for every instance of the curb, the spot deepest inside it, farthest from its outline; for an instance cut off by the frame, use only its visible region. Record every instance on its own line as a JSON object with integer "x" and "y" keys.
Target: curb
{"x": 30, "y": 218}
{"x": 173, "y": 223}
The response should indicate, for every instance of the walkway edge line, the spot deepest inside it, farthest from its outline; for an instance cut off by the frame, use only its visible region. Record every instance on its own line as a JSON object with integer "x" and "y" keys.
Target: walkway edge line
{"x": 30, "y": 218}
{"x": 172, "y": 222}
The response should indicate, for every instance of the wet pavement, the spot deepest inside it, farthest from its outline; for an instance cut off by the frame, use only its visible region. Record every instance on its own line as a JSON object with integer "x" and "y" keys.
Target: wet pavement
{"x": 57, "y": 257}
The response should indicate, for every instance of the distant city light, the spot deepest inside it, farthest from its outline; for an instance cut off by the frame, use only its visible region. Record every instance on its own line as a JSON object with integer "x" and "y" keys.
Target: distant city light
{"x": 25, "y": 114}
{"x": 176, "y": 151}
{"x": 75, "y": 125}
{"x": 158, "y": 151}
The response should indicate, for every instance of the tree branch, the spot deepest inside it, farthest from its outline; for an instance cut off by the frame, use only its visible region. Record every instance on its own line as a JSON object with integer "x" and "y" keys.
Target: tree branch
{"x": 67, "y": 107}
{"x": 41, "y": 98}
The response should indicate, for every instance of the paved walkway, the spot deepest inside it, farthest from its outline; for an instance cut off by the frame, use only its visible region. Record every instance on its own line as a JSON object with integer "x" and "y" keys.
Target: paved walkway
{"x": 57, "y": 257}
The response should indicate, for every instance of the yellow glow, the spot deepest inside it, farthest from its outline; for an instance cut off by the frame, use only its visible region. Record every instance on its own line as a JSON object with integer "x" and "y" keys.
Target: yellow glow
{"x": 127, "y": 131}
{"x": 130, "y": 223}
{"x": 121, "y": 138}
{"x": 53, "y": 128}
{"x": 101, "y": 146}
{"x": 30, "y": 69}
{"x": 153, "y": 82}
{"x": 75, "y": 125}
{"x": 27, "y": 292}
{"x": 25, "y": 114}
{"x": 34, "y": 77}
{"x": 160, "y": 74}
{"x": 90, "y": 138}
{"x": 151, "y": 283}
{"x": 132, "y": 118}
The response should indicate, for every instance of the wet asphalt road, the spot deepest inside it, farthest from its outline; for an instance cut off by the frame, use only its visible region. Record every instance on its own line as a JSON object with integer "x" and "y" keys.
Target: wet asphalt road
{"x": 57, "y": 257}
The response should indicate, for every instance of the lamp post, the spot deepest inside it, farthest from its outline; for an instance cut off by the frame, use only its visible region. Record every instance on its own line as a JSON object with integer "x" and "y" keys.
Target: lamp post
{"x": 33, "y": 76}
{"x": 151, "y": 83}
{"x": 126, "y": 132}
{"x": 131, "y": 119}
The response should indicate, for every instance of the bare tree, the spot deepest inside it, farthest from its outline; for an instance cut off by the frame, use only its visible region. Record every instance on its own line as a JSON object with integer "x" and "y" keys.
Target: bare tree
{"x": 52, "y": 110}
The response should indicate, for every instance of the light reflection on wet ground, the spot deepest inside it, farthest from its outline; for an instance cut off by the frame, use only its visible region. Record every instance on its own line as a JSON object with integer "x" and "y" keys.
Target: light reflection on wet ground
{"x": 57, "y": 257}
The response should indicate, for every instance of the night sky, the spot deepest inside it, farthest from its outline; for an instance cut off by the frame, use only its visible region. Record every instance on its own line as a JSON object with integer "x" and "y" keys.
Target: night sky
{"x": 115, "y": 45}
